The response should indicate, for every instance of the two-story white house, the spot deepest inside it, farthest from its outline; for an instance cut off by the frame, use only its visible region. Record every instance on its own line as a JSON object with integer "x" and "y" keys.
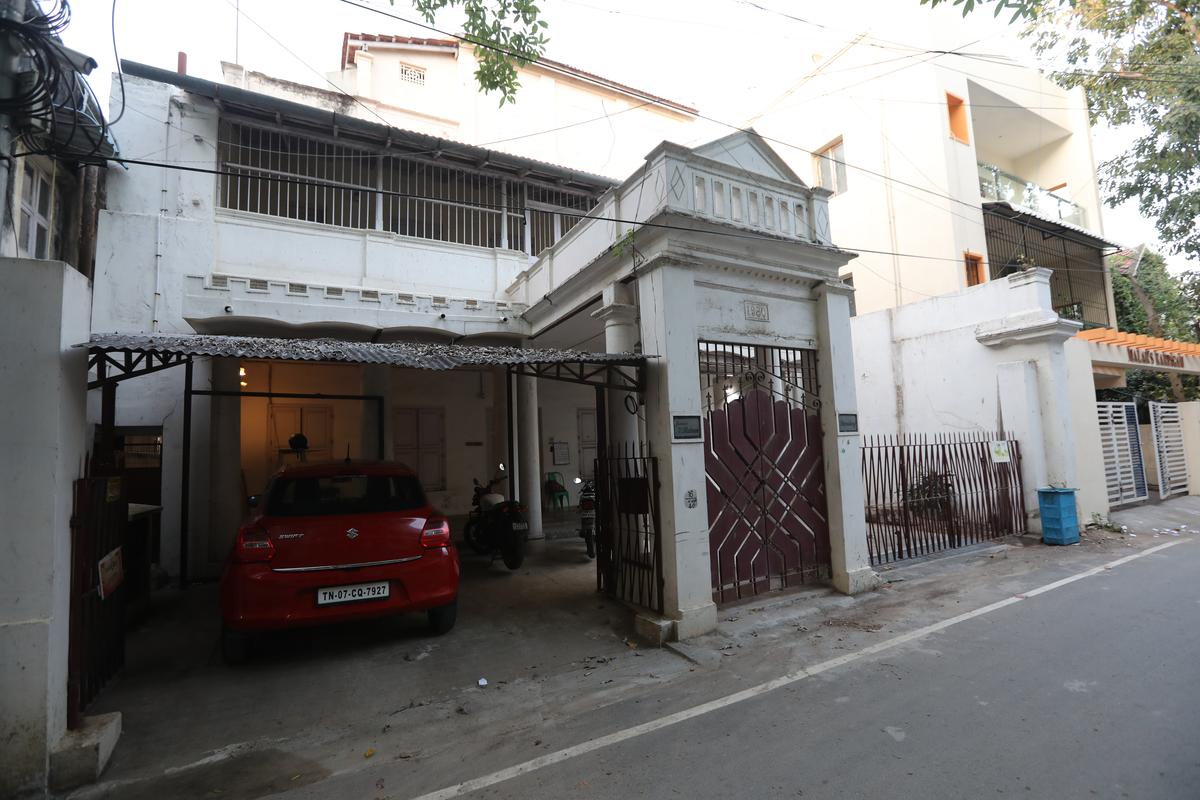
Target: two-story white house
{"x": 477, "y": 307}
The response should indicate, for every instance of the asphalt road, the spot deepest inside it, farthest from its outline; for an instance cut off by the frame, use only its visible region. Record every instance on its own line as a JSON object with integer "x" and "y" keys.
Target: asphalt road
{"x": 1091, "y": 690}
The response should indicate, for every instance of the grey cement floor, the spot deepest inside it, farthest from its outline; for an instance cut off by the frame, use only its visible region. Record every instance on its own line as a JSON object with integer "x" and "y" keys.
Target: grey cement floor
{"x": 1081, "y": 692}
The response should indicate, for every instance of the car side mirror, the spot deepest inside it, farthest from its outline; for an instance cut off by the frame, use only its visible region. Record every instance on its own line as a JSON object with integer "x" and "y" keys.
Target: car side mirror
{"x": 252, "y": 501}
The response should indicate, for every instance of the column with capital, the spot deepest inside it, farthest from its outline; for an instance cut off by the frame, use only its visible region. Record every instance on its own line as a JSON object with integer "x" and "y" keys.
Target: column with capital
{"x": 620, "y": 318}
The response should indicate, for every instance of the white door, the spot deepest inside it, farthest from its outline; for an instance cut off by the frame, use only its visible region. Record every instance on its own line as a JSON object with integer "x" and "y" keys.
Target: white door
{"x": 1168, "y": 449}
{"x": 419, "y": 440}
{"x": 315, "y": 422}
{"x": 587, "y": 442}
{"x": 1124, "y": 473}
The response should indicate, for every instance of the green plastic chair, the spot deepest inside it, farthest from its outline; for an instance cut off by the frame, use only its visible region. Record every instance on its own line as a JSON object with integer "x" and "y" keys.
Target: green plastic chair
{"x": 556, "y": 490}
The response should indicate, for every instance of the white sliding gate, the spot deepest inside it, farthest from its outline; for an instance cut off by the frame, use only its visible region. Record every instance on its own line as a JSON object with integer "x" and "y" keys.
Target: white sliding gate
{"x": 1168, "y": 449}
{"x": 1119, "y": 439}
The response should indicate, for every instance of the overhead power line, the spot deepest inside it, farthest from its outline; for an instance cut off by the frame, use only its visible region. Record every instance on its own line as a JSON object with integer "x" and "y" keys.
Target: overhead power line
{"x": 650, "y": 98}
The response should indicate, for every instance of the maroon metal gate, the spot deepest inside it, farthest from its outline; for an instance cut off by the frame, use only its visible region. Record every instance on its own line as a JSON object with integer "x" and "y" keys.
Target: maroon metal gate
{"x": 768, "y": 525}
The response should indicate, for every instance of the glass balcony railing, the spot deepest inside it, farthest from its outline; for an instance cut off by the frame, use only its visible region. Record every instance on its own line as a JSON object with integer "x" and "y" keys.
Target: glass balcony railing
{"x": 999, "y": 186}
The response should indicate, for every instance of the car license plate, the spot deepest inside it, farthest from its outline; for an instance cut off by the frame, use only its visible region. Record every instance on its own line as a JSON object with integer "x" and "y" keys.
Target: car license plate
{"x": 349, "y": 594}
{"x": 520, "y": 526}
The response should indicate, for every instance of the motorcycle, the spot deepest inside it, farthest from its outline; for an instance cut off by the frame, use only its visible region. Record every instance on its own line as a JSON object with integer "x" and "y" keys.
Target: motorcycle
{"x": 496, "y": 525}
{"x": 587, "y": 513}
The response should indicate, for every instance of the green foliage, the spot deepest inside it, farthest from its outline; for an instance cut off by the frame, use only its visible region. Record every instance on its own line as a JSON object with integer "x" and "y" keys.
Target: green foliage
{"x": 1139, "y": 63}
{"x": 1175, "y": 314}
{"x": 505, "y": 33}
{"x": 1157, "y": 303}
{"x": 1020, "y": 8}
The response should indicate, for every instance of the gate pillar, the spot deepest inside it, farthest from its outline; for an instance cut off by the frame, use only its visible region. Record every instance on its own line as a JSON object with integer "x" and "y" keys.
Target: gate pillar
{"x": 850, "y": 558}
{"x": 667, "y": 306}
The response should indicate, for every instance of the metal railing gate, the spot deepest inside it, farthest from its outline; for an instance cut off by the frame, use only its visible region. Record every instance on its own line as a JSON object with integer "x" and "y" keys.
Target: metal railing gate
{"x": 629, "y": 543}
{"x": 96, "y": 651}
{"x": 1168, "y": 449}
{"x": 1120, "y": 441}
{"x": 926, "y": 493}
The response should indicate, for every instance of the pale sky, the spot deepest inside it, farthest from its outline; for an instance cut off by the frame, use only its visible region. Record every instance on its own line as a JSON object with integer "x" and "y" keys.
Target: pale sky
{"x": 727, "y": 57}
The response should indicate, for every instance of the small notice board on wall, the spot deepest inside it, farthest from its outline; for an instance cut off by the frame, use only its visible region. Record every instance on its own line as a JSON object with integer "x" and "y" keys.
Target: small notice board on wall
{"x": 686, "y": 428}
{"x": 561, "y": 453}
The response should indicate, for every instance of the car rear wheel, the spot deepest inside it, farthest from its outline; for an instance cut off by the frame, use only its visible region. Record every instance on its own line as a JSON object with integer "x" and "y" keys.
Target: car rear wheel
{"x": 442, "y": 619}
{"x": 235, "y": 647}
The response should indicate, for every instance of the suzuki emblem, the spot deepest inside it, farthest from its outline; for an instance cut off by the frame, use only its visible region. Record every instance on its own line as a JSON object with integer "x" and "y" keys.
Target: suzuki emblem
{"x": 352, "y": 533}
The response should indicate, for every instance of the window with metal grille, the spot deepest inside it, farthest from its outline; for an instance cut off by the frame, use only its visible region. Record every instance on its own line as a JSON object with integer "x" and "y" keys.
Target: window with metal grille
{"x": 313, "y": 180}
{"x": 412, "y": 74}
{"x": 551, "y": 213}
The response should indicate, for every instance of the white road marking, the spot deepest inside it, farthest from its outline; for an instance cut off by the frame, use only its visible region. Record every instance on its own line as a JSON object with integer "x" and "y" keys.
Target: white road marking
{"x": 599, "y": 743}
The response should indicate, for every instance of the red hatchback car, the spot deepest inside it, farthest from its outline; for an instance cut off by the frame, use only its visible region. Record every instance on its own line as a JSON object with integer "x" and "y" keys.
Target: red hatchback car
{"x": 335, "y": 542}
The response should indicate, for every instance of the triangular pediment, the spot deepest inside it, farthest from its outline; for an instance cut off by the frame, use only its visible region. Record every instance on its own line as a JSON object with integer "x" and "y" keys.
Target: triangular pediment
{"x": 746, "y": 150}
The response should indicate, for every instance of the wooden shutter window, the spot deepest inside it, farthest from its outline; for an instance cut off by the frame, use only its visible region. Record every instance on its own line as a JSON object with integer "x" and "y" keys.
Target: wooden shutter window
{"x": 974, "y": 267}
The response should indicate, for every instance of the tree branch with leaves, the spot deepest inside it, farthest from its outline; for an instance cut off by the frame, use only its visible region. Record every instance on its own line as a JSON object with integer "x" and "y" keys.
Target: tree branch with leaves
{"x": 506, "y": 34}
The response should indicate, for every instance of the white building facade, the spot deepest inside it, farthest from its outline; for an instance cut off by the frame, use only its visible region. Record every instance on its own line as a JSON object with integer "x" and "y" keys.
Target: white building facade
{"x": 716, "y": 263}
{"x": 970, "y": 190}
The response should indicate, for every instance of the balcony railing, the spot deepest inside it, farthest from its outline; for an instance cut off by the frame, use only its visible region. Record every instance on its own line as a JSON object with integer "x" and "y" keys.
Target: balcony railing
{"x": 997, "y": 185}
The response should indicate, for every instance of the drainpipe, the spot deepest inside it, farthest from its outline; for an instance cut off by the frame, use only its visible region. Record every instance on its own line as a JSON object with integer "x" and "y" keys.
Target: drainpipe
{"x": 891, "y": 208}
{"x": 162, "y": 212}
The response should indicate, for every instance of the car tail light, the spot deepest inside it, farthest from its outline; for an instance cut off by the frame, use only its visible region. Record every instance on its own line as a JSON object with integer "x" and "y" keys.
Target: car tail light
{"x": 253, "y": 544}
{"x": 436, "y": 534}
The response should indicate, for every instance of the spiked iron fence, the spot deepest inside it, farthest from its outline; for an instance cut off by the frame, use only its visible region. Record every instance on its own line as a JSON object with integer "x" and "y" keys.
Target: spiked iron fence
{"x": 932, "y": 492}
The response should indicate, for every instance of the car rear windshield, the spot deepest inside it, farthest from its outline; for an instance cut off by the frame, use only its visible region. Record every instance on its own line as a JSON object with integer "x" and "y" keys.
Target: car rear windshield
{"x": 344, "y": 494}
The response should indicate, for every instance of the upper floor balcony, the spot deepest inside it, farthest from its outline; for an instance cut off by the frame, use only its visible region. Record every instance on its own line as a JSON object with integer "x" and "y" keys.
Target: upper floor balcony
{"x": 272, "y": 171}
{"x": 996, "y": 185}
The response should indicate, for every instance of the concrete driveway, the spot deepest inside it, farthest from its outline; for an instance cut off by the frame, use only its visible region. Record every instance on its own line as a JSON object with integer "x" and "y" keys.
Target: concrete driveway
{"x": 306, "y": 691}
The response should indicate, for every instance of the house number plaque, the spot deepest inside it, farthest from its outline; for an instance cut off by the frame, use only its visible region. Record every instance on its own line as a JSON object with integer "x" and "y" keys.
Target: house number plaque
{"x": 756, "y": 311}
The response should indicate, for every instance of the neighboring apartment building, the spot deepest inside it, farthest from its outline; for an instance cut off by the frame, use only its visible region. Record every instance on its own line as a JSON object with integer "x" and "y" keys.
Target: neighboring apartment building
{"x": 949, "y": 173}
{"x": 968, "y": 187}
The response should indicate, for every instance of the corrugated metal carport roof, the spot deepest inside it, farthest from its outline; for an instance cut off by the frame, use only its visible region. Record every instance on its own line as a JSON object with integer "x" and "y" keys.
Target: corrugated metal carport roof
{"x": 417, "y": 355}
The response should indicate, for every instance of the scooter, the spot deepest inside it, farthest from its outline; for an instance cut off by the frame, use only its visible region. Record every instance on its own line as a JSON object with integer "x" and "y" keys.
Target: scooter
{"x": 496, "y": 525}
{"x": 587, "y": 513}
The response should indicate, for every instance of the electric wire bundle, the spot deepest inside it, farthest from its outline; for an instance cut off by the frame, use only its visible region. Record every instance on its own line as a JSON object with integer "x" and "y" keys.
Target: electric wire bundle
{"x": 52, "y": 108}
